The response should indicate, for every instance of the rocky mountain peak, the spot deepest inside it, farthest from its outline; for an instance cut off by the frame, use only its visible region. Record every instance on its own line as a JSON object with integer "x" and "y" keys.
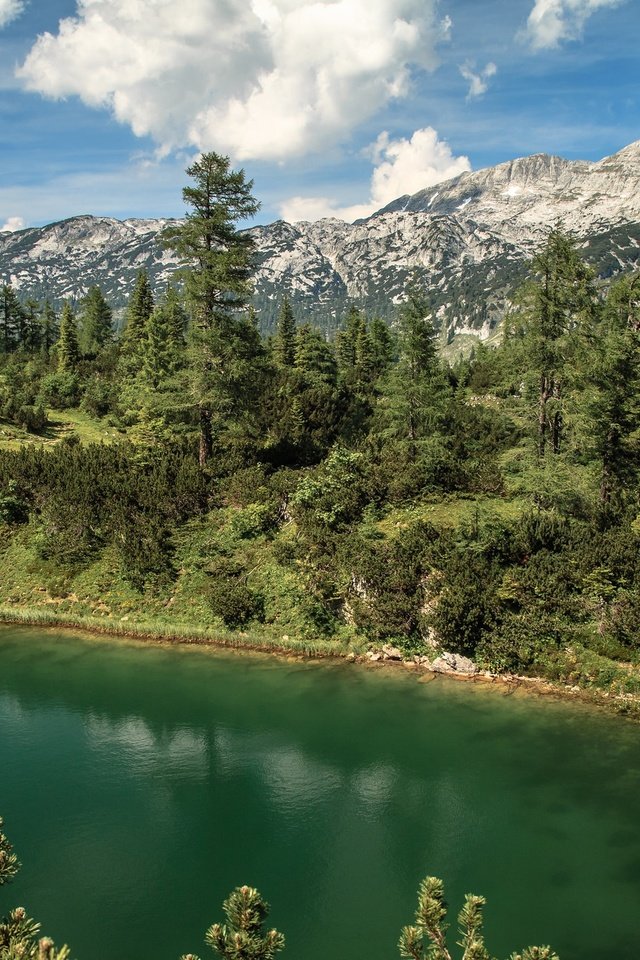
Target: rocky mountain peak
{"x": 466, "y": 241}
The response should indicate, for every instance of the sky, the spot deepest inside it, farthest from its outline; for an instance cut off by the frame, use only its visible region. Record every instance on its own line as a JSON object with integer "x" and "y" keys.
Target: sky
{"x": 332, "y": 107}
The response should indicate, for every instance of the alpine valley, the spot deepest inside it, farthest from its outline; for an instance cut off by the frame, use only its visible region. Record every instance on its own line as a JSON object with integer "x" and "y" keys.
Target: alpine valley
{"x": 466, "y": 242}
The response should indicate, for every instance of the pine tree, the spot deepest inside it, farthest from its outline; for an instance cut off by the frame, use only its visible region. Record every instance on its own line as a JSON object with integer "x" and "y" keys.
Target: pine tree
{"x": 95, "y": 323}
{"x": 18, "y": 932}
{"x": 68, "y": 350}
{"x": 430, "y": 924}
{"x": 9, "y": 863}
{"x": 284, "y": 341}
{"x": 243, "y": 936}
{"x": 219, "y": 264}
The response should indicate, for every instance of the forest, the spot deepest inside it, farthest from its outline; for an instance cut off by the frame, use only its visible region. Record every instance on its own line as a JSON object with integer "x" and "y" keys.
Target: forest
{"x": 179, "y": 471}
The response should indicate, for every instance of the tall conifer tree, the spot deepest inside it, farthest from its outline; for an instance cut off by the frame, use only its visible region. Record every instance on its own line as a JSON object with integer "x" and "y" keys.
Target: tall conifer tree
{"x": 95, "y": 322}
{"x": 68, "y": 350}
{"x": 284, "y": 342}
{"x": 219, "y": 264}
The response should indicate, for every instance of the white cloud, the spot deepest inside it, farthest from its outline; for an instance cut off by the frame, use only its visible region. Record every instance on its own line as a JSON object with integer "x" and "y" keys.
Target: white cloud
{"x": 9, "y": 10}
{"x": 478, "y": 80}
{"x": 12, "y": 224}
{"x": 551, "y": 22}
{"x": 401, "y": 167}
{"x": 264, "y": 79}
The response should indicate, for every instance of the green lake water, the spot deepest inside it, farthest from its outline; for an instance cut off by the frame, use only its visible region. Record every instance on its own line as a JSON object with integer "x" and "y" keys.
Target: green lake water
{"x": 140, "y": 784}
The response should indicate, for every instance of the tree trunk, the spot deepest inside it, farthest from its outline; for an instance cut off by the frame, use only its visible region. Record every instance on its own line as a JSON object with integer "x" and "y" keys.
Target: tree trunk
{"x": 206, "y": 439}
{"x": 543, "y": 423}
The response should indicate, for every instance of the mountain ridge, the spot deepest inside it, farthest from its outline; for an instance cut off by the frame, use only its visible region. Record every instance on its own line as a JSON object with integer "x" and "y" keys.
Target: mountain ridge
{"x": 466, "y": 241}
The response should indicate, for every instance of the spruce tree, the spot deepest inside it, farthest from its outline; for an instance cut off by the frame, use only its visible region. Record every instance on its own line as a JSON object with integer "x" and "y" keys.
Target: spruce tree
{"x": 218, "y": 261}
{"x": 11, "y": 319}
{"x": 32, "y": 326}
{"x": 95, "y": 323}
{"x": 139, "y": 310}
{"x": 284, "y": 341}
{"x": 68, "y": 350}
{"x": 164, "y": 338}
{"x": 563, "y": 293}
{"x": 382, "y": 346}
{"x": 346, "y": 342}
{"x": 314, "y": 357}
{"x": 608, "y": 407}
{"x": 49, "y": 325}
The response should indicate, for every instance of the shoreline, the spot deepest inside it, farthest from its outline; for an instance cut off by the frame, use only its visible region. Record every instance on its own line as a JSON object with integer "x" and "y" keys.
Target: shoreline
{"x": 626, "y": 707}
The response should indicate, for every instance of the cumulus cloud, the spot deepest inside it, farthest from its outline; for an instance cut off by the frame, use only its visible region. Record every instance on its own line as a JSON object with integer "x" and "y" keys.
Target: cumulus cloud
{"x": 12, "y": 224}
{"x": 552, "y": 22}
{"x": 478, "y": 79}
{"x": 400, "y": 167}
{"x": 9, "y": 10}
{"x": 265, "y": 79}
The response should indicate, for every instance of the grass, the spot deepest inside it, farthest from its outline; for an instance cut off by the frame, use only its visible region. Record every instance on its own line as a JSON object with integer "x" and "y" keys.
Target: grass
{"x": 452, "y": 512}
{"x": 173, "y": 632}
{"x": 61, "y": 424}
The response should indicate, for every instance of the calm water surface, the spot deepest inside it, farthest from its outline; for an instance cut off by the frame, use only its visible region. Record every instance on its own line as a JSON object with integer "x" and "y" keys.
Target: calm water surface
{"x": 140, "y": 784}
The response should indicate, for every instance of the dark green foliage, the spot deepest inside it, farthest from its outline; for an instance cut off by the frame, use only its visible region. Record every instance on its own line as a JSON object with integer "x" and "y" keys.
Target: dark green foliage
{"x": 164, "y": 344}
{"x": 50, "y": 328}
{"x": 284, "y": 341}
{"x": 95, "y": 323}
{"x": 386, "y": 583}
{"x": 67, "y": 347}
{"x": 11, "y": 319}
{"x": 139, "y": 309}
{"x": 465, "y": 606}
{"x": 229, "y": 595}
{"x": 218, "y": 262}
{"x": 99, "y": 396}
{"x": 60, "y": 390}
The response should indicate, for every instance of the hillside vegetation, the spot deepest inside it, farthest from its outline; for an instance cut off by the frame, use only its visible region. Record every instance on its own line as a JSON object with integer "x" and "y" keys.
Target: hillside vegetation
{"x": 192, "y": 478}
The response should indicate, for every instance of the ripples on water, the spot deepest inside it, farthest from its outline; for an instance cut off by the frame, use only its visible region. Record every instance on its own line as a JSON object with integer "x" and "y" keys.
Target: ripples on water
{"x": 140, "y": 784}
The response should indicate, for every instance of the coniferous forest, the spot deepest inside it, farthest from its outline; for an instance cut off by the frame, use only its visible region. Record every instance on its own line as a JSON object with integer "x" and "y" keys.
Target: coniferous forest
{"x": 173, "y": 471}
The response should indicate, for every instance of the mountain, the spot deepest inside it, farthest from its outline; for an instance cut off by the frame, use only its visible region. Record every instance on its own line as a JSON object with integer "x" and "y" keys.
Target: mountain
{"x": 465, "y": 241}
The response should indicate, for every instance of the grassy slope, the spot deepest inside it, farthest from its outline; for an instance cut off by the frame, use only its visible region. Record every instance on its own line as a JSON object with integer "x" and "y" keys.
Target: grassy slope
{"x": 97, "y": 596}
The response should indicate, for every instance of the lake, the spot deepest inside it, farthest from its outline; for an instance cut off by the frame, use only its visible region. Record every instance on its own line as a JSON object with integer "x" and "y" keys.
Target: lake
{"x": 141, "y": 783}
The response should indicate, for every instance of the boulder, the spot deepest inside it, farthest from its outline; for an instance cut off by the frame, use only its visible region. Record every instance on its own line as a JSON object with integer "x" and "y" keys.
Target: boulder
{"x": 453, "y": 663}
{"x": 392, "y": 653}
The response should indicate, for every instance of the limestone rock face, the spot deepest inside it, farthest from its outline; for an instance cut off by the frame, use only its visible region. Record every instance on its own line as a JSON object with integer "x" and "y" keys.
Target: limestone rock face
{"x": 467, "y": 241}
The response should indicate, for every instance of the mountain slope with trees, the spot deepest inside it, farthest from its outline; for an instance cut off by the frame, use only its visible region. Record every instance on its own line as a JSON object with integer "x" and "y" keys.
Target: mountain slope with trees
{"x": 332, "y": 494}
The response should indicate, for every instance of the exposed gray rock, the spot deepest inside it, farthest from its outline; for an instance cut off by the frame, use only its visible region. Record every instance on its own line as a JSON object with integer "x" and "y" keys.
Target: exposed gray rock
{"x": 453, "y": 663}
{"x": 468, "y": 238}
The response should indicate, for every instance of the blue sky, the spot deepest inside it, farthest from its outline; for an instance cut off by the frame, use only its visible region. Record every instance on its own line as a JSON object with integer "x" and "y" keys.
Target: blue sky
{"x": 334, "y": 107}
